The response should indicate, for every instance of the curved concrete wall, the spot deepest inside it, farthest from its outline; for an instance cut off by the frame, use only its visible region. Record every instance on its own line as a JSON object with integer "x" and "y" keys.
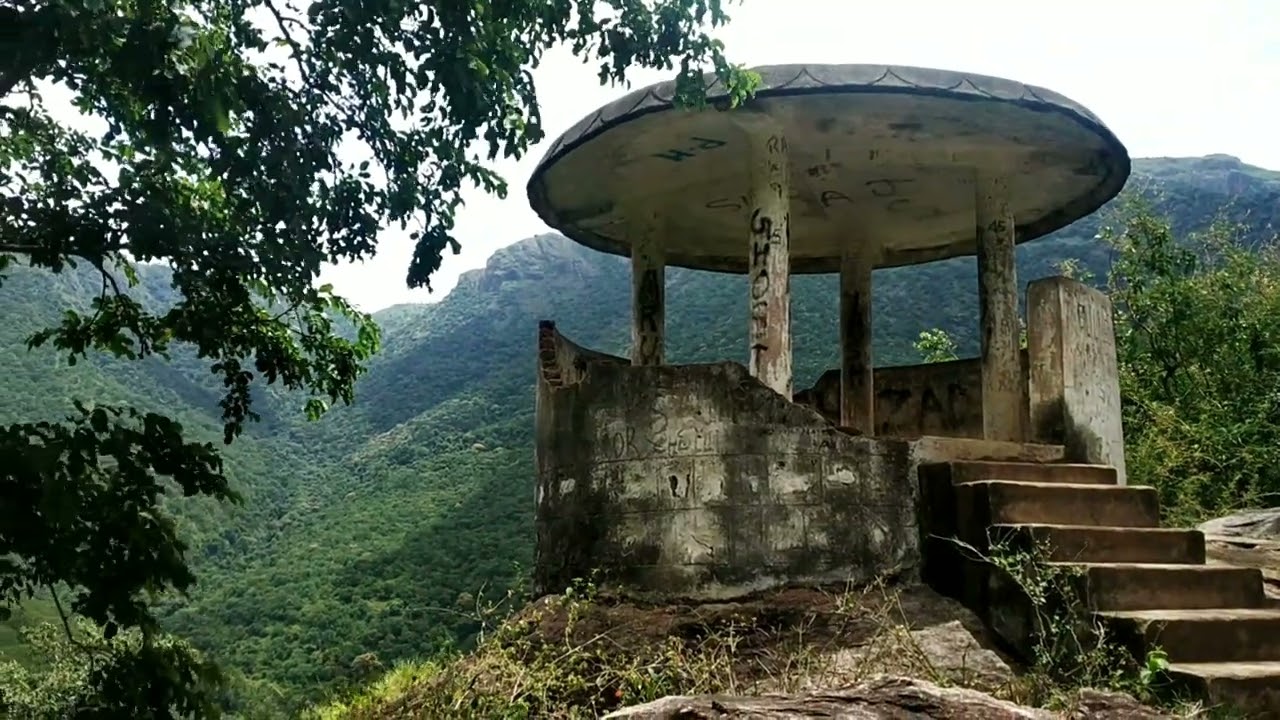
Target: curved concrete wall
{"x": 698, "y": 481}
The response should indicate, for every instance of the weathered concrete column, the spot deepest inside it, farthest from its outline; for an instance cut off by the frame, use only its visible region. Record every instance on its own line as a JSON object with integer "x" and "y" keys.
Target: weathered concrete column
{"x": 769, "y": 266}
{"x": 648, "y": 292}
{"x": 857, "y": 390}
{"x": 1002, "y": 393}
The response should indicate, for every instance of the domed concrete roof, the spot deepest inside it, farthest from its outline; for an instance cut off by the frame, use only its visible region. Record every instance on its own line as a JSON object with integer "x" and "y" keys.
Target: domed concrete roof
{"x": 878, "y": 154}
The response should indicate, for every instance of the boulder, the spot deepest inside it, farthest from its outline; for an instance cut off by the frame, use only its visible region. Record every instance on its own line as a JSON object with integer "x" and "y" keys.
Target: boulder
{"x": 1258, "y": 524}
{"x": 1102, "y": 705}
{"x": 1247, "y": 552}
{"x": 1247, "y": 539}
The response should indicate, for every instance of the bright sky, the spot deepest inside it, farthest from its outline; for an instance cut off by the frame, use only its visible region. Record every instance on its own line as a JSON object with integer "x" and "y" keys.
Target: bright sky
{"x": 1182, "y": 78}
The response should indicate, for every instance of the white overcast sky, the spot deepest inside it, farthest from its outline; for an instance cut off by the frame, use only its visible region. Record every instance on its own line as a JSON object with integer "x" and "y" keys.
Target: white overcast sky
{"x": 1171, "y": 78}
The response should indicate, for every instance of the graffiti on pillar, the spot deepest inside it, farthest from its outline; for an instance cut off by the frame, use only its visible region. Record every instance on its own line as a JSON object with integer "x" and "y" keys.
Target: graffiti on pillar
{"x": 776, "y": 156}
{"x": 993, "y": 204}
{"x": 649, "y": 317}
{"x": 699, "y": 146}
{"x": 741, "y": 202}
{"x": 855, "y": 329}
{"x": 769, "y": 234}
{"x": 762, "y": 239}
{"x": 650, "y": 300}
{"x": 763, "y": 236}
{"x": 770, "y": 227}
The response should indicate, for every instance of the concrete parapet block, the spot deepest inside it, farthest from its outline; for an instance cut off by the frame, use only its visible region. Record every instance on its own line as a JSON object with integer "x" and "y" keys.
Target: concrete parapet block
{"x": 1074, "y": 381}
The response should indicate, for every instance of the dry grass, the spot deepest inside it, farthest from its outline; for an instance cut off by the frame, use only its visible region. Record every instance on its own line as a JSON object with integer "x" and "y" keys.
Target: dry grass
{"x": 579, "y": 656}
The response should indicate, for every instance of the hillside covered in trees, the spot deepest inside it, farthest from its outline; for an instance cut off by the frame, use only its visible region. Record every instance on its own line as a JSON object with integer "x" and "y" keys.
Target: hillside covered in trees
{"x": 369, "y": 536}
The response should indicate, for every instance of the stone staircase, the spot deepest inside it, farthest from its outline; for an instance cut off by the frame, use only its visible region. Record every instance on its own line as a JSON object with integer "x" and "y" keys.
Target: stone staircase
{"x": 1150, "y": 584}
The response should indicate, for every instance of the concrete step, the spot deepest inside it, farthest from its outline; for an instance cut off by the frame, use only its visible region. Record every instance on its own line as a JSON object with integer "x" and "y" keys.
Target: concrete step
{"x": 972, "y": 470}
{"x": 1082, "y": 543}
{"x": 1141, "y": 586}
{"x": 982, "y": 503}
{"x": 1219, "y": 635}
{"x": 1252, "y": 688}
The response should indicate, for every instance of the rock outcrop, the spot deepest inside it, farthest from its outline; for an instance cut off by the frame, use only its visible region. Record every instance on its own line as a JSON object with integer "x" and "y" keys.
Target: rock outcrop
{"x": 1250, "y": 538}
{"x": 881, "y": 698}
{"x": 1260, "y": 524}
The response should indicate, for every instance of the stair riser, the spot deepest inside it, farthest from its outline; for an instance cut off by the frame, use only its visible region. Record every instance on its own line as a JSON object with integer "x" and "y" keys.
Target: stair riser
{"x": 1235, "y": 640}
{"x": 1107, "y": 545}
{"x": 1013, "y": 504}
{"x": 1029, "y": 472}
{"x": 1256, "y": 697}
{"x": 1136, "y": 588}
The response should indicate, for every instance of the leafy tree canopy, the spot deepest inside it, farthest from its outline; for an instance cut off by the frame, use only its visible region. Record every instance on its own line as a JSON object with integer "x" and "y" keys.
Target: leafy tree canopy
{"x": 221, "y": 145}
{"x": 1198, "y": 344}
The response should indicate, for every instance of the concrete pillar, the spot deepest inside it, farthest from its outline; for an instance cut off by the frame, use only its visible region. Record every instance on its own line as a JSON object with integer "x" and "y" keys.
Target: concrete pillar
{"x": 648, "y": 292}
{"x": 769, "y": 264}
{"x": 1002, "y": 386}
{"x": 857, "y": 390}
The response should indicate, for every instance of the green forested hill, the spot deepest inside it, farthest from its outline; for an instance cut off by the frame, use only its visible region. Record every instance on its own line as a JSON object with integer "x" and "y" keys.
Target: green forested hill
{"x": 360, "y": 533}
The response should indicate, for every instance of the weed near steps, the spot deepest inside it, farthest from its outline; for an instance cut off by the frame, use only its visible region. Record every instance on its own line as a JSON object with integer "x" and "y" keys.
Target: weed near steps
{"x": 581, "y": 655}
{"x": 1068, "y": 647}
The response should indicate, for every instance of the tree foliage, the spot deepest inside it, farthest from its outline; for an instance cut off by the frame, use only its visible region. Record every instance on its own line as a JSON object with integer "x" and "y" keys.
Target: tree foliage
{"x": 1198, "y": 340}
{"x": 92, "y": 676}
{"x": 244, "y": 144}
{"x": 935, "y": 346}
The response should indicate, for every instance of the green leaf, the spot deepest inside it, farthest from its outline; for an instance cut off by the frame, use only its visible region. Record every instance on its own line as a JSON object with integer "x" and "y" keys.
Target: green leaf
{"x": 316, "y": 408}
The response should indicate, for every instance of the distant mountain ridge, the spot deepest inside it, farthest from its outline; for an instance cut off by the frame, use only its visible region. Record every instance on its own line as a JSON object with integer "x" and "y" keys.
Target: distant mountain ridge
{"x": 363, "y": 531}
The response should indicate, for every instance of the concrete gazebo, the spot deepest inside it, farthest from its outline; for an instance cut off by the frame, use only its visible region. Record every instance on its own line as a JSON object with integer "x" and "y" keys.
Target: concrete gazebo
{"x": 834, "y": 168}
{"x": 716, "y": 480}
